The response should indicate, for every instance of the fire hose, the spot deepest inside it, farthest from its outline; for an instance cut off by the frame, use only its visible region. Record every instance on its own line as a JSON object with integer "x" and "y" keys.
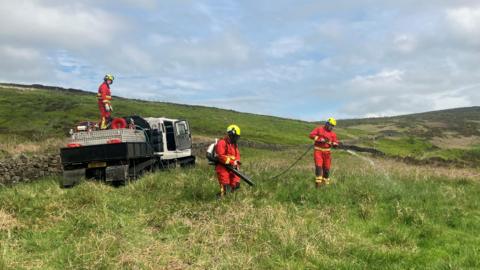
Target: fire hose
{"x": 294, "y": 163}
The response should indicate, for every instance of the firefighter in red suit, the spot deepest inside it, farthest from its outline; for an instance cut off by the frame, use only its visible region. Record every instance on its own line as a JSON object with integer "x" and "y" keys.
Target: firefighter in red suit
{"x": 324, "y": 139}
{"x": 227, "y": 153}
{"x": 104, "y": 101}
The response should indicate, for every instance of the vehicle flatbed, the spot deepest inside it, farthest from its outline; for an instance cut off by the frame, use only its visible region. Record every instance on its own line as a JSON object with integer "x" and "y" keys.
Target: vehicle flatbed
{"x": 104, "y": 152}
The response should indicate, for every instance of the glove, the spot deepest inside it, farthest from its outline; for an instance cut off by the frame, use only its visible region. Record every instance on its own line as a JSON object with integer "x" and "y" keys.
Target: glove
{"x": 322, "y": 140}
{"x": 236, "y": 163}
{"x": 108, "y": 107}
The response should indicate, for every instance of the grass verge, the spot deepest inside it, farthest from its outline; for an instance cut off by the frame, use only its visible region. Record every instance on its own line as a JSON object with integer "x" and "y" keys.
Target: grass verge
{"x": 370, "y": 217}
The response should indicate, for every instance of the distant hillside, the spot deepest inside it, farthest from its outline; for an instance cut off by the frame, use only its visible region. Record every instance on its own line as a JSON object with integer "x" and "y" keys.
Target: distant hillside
{"x": 464, "y": 121}
{"x": 448, "y": 134}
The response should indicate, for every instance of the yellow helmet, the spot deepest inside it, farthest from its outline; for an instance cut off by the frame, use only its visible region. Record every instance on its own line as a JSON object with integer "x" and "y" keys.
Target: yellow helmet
{"x": 332, "y": 121}
{"x": 233, "y": 129}
{"x": 108, "y": 77}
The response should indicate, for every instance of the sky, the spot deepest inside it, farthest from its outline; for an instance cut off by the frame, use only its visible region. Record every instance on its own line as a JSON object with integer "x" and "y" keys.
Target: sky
{"x": 306, "y": 60}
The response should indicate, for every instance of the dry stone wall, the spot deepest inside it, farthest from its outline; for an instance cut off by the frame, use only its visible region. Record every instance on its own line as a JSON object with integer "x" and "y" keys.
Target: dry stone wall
{"x": 25, "y": 168}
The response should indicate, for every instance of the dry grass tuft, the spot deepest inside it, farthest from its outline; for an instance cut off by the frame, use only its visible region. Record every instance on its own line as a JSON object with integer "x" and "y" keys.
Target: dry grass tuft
{"x": 423, "y": 172}
{"x": 14, "y": 147}
{"x": 456, "y": 142}
{"x": 8, "y": 221}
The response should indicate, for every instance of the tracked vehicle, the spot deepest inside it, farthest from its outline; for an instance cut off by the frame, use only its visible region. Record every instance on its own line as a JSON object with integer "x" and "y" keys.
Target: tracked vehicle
{"x": 133, "y": 146}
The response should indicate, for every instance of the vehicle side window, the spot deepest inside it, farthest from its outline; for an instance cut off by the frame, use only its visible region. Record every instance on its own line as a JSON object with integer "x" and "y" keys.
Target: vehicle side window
{"x": 182, "y": 128}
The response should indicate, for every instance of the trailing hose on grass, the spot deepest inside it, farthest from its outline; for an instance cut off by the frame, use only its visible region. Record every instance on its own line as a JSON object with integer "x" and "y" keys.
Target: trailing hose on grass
{"x": 294, "y": 163}
{"x": 308, "y": 150}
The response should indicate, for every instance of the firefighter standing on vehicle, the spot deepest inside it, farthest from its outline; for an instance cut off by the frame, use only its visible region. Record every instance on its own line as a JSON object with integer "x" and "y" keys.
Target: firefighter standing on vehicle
{"x": 227, "y": 153}
{"x": 324, "y": 139}
{"x": 104, "y": 101}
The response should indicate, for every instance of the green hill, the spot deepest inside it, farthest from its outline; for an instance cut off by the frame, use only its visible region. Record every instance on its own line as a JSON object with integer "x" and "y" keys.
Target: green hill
{"x": 448, "y": 134}
{"x": 38, "y": 113}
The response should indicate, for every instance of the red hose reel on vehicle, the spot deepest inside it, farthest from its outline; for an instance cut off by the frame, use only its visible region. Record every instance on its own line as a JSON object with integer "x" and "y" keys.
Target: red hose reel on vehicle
{"x": 118, "y": 123}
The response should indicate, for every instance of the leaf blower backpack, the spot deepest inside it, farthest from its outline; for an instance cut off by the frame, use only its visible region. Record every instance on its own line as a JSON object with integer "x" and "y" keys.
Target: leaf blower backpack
{"x": 211, "y": 153}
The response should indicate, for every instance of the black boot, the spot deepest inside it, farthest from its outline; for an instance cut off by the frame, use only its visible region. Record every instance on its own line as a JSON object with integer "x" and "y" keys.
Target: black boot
{"x": 224, "y": 190}
{"x": 318, "y": 176}
{"x": 236, "y": 187}
{"x": 318, "y": 171}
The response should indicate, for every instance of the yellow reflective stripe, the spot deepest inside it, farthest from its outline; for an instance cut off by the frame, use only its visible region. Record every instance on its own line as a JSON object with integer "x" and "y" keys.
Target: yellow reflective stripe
{"x": 319, "y": 179}
{"x": 322, "y": 149}
{"x": 228, "y": 160}
{"x": 103, "y": 124}
{"x": 108, "y": 97}
{"x": 316, "y": 138}
{"x": 106, "y": 101}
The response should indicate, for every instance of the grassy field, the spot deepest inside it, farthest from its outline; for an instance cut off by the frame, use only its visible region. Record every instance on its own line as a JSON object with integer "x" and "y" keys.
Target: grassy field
{"x": 377, "y": 214}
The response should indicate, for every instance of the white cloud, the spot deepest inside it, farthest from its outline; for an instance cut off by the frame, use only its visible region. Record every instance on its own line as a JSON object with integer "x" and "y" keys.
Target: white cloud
{"x": 465, "y": 19}
{"x": 240, "y": 103}
{"x": 156, "y": 39}
{"x": 444, "y": 102}
{"x": 74, "y": 26}
{"x": 22, "y": 64}
{"x": 135, "y": 60}
{"x": 176, "y": 83}
{"x": 384, "y": 81}
{"x": 226, "y": 50}
{"x": 21, "y": 54}
{"x": 285, "y": 46}
{"x": 405, "y": 43}
{"x": 464, "y": 23}
{"x": 143, "y": 4}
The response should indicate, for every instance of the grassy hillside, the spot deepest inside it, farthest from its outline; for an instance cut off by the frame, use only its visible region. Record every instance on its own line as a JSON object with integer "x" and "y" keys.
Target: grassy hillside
{"x": 40, "y": 114}
{"x": 382, "y": 216}
{"x": 449, "y": 134}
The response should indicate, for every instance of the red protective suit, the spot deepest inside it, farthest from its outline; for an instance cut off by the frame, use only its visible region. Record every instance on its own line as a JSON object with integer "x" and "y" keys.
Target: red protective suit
{"x": 227, "y": 153}
{"x": 104, "y": 97}
{"x": 322, "y": 149}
